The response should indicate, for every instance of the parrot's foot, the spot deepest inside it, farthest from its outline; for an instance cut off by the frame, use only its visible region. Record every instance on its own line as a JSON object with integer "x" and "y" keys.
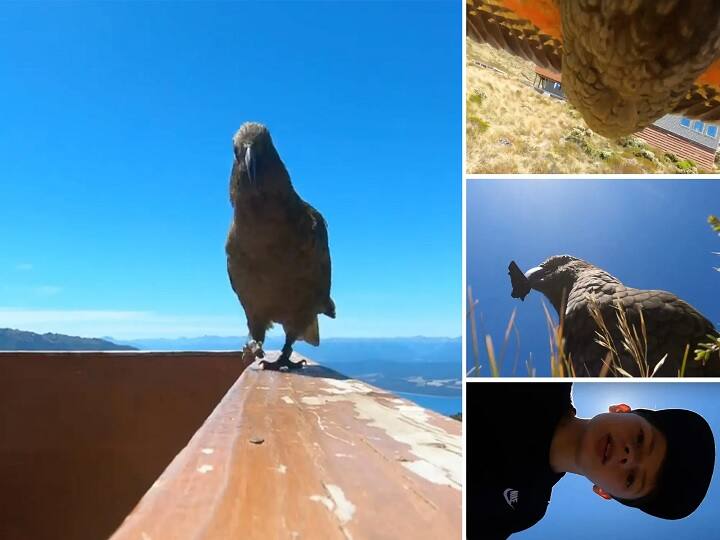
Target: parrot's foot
{"x": 283, "y": 364}
{"x": 252, "y": 350}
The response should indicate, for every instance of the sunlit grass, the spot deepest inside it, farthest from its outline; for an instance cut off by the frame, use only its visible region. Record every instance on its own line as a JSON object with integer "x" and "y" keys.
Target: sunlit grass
{"x": 632, "y": 343}
{"x": 714, "y": 222}
{"x": 495, "y": 363}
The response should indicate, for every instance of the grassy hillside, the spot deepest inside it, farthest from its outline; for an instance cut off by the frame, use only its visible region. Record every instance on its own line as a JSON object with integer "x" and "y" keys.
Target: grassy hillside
{"x": 511, "y": 128}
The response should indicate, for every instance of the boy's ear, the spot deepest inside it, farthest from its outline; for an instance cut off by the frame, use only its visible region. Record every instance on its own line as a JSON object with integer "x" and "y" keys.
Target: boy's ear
{"x": 620, "y": 408}
{"x": 604, "y": 494}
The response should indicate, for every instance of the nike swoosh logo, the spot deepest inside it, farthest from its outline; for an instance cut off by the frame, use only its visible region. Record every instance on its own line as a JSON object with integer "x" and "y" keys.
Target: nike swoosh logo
{"x": 510, "y": 497}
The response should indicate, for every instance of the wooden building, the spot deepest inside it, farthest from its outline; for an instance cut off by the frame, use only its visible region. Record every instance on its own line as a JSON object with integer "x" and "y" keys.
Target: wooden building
{"x": 684, "y": 137}
{"x": 547, "y": 80}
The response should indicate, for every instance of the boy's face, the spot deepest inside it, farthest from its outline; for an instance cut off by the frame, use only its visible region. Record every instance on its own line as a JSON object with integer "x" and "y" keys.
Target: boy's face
{"x": 622, "y": 453}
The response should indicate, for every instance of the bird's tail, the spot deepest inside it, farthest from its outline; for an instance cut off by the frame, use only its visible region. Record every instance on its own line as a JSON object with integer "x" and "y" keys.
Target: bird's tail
{"x": 330, "y": 309}
{"x": 311, "y": 334}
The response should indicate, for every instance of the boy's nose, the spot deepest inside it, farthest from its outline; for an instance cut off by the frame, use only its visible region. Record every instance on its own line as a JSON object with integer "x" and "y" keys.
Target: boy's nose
{"x": 627, "y": 457}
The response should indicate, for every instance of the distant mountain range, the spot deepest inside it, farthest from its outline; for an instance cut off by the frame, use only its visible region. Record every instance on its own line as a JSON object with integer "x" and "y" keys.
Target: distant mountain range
{"x": 404, "y": 349}
{"x": 19, "y": 340}
{"x": 416, "y": 365}
{"x": 422, "y": 365}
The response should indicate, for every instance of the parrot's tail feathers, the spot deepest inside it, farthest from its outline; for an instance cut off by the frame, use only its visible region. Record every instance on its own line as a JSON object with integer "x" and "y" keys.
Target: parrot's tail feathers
{"x": 330, "y": 309}
{"x": 311, "y": 334}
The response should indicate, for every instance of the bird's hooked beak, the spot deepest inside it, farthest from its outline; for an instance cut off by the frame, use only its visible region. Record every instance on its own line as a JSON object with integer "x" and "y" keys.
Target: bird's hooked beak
{"x": 250, "y": 164}
{"x": 522, "y": 283}
{"x": 535, "y": 274}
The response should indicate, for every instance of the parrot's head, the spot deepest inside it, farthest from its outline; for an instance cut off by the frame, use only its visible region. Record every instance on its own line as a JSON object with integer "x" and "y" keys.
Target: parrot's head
{"x": 554, "y": 277}
{"x": 253, "y": 147}
{"x": 257, "y": 168}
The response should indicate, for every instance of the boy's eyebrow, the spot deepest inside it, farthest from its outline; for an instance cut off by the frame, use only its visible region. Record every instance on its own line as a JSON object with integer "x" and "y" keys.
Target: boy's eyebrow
{"x": 649, "y": 452}
{"x": 642, "y": 483}
{"x": 652, "y": 443}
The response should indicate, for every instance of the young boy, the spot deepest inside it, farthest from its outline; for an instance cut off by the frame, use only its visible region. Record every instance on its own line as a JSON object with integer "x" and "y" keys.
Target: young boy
{"x": 523, "y": 437}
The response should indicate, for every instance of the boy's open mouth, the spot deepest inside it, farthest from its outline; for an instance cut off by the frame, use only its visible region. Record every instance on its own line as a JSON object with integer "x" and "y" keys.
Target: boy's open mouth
{"x": 606, "y": 453}
{"x": 605, "y": 448}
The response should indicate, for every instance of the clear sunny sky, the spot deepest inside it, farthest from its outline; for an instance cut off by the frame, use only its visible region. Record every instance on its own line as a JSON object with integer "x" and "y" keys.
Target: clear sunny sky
{"x": 576, "y": 512}
{"x": 115, "y": 153}
{"x": 649, "y": 233}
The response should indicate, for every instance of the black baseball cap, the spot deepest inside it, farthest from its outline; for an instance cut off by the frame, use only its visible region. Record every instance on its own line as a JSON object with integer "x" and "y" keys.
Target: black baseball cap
{"x": 685, "y": 473}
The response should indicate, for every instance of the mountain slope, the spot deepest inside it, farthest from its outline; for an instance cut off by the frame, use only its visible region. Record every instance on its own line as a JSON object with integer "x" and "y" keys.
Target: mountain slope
{"x": 423, "y": 365}
{"x": 19, "y": 340}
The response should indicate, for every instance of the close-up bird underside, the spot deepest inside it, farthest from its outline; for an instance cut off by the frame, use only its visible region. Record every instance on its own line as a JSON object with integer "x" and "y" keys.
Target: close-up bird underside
{"x": 624, "y": 63}
{"x": 611, "y": 329}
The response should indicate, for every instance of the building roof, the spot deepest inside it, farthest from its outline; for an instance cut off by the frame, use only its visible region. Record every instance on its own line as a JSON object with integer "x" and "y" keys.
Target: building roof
{"x": 548, "y": 74}
{"x": 671, "y": 122}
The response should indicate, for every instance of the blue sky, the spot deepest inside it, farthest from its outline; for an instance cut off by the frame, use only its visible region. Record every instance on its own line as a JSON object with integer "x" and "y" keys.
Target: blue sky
{"x": 650, "y": 234}
{"x": 576, "y": 512}
{"x": 115, "y": 144}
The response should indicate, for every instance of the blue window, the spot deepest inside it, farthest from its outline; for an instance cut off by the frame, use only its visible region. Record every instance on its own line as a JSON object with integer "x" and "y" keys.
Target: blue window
{"x": 711, "y": 131}
{"x": 698, "y": 126}
{"x": 685, "y": 122}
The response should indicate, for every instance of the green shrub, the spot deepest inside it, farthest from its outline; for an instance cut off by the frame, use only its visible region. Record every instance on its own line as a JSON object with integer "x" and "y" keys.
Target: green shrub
{"x": 477, "y": 97}
{"x": 686, "y": 166}
{"x": 477, "y": 123}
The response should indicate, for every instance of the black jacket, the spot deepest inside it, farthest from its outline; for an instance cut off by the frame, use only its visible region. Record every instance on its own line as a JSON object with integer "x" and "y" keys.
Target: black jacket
{"x": 509, "y": 431}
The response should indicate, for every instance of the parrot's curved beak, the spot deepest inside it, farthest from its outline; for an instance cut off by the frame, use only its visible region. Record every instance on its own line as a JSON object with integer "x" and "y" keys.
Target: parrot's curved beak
{"x": 520, "y": 284}
{"x": 535, "y": 274}
{"x": 250, "y": 165}
{"x": 523, "y": 283}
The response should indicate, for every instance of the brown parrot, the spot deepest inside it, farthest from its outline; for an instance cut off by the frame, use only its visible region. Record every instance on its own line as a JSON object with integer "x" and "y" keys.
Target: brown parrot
{"x": 278, "y": 258}
{"x": 671, "y": 323}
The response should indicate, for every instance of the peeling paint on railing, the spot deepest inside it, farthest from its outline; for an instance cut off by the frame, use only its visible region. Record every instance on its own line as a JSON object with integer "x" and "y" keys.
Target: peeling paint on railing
{"x": 309, "y": 454}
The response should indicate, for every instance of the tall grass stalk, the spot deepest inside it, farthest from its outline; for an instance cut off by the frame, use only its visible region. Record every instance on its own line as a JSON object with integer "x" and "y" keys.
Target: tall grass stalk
{"x": 473, "y": 332}
{"x": 632, "y": 341}
{"x": 495, "y": 362}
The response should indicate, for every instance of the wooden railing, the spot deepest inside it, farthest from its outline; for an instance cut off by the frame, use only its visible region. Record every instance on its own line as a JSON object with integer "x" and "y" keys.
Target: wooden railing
{"x": 308, "y": 454}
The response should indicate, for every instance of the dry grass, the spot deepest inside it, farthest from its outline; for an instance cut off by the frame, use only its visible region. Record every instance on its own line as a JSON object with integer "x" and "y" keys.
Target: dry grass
{"x": 714, "y": 222}
{"x": 633, "y": 341}
{"x": 495, "y": 362}
{"x": 561, "y": 365}
{"x": 511, "y": 128}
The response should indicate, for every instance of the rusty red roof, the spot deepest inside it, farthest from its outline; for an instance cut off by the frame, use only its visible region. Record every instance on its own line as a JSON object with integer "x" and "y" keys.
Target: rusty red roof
{"x": 548, "y": 74}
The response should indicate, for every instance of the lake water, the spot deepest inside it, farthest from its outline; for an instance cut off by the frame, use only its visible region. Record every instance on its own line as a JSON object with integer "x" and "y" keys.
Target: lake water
{"x": 442, "y": 404}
